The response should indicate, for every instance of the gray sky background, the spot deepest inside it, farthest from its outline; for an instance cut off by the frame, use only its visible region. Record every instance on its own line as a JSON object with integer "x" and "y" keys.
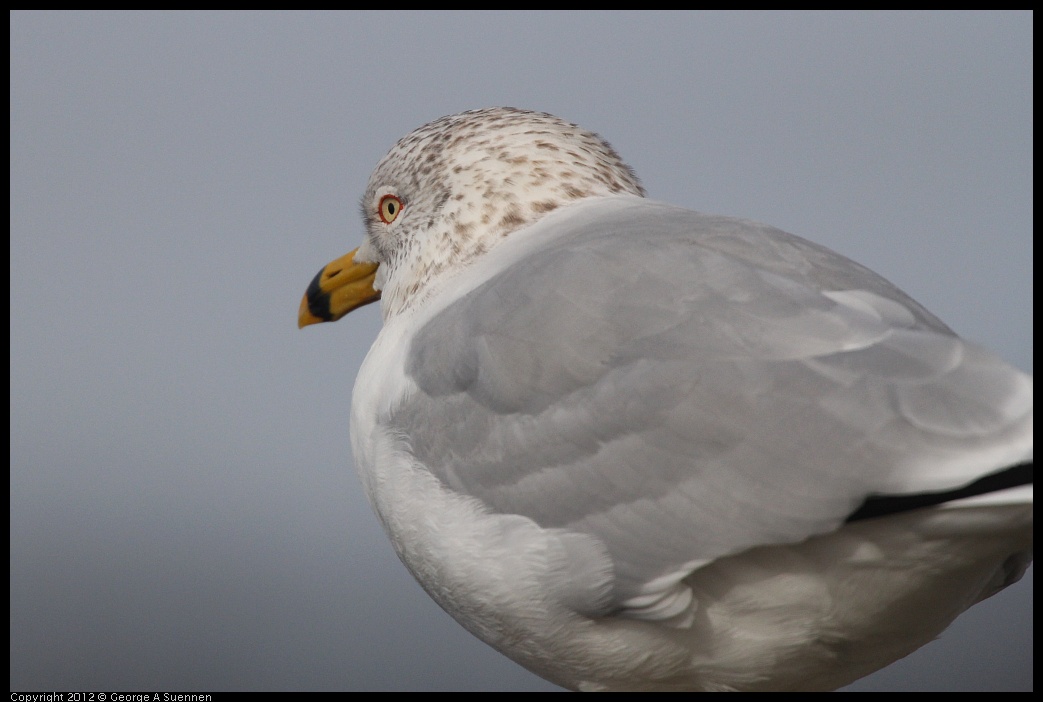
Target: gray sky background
{"x": 184, "y": 509}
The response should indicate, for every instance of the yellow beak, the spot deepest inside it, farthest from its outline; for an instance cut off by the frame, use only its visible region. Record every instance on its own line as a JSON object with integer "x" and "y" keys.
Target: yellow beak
{"x": 340, "y": 287}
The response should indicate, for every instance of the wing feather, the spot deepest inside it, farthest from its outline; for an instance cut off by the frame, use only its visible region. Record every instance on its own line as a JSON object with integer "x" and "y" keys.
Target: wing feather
{"x": 679, "y": 387}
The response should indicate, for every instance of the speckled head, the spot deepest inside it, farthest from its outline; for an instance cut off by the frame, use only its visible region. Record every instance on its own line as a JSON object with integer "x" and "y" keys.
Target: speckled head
{"x": 448, "y": 191}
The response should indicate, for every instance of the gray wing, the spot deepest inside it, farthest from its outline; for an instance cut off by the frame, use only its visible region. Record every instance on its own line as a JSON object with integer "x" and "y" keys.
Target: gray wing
{"x": 676, "y": 387}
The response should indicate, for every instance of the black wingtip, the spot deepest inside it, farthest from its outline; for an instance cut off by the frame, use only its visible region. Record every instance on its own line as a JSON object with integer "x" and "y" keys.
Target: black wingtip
{"x": 882, "y": 505}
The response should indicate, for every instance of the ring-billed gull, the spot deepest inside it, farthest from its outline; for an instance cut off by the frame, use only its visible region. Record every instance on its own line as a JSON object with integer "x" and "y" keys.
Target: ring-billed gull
{"x": 633, "y": 446}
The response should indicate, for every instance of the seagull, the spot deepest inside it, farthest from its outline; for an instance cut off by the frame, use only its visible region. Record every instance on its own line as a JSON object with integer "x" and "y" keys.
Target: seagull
{"x": 636, "y": 447}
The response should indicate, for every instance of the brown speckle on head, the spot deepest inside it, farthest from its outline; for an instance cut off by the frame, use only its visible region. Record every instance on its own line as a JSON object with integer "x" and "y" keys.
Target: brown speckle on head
{"x": 464, "y": 229}
{"x": 470, "y": 179}
{"x": 511, "y": 219}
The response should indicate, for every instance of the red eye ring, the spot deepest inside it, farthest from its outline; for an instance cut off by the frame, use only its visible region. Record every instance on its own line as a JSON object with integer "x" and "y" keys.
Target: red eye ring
{"x": 389, "y": 209}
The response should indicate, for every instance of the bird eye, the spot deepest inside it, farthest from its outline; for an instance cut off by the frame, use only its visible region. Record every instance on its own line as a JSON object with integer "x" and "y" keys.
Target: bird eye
{"x": 389, "y": 208}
